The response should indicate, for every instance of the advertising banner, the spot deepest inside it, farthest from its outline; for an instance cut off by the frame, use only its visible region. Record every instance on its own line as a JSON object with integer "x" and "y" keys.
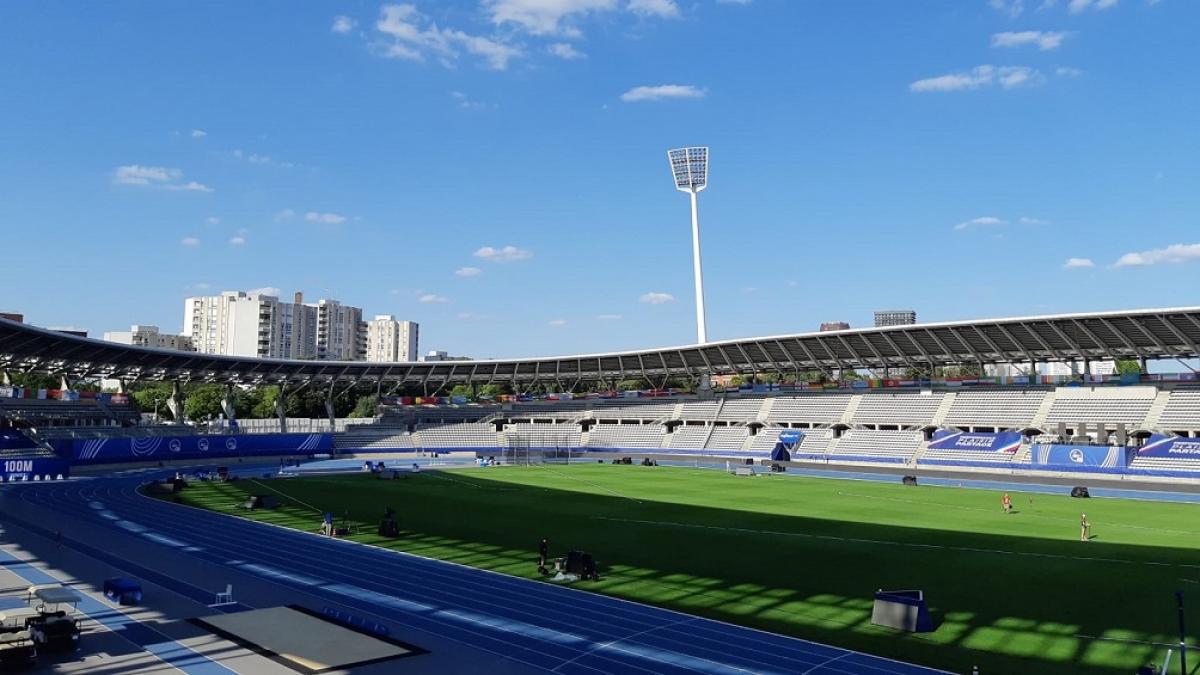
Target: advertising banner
{"x": 208, "y": 446}
{"x": 1005, "y": 441}
{"x": 1171, "y": 446}
{"x": 1096, "y": 458}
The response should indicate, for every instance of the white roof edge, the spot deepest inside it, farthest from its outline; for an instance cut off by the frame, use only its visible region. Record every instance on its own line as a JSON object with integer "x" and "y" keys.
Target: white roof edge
{"x": 650, "y": 350}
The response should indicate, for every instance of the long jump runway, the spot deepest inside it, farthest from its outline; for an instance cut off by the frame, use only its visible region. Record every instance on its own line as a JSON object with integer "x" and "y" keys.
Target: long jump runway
{"x": 542, "y": 627}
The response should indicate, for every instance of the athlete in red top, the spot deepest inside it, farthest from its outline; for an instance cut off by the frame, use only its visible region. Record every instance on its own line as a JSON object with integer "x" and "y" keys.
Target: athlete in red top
{"x": 1007, "y": 503}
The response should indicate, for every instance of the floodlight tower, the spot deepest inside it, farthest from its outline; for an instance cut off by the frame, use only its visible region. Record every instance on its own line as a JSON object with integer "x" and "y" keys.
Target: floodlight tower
{"x": 689, "y": 166}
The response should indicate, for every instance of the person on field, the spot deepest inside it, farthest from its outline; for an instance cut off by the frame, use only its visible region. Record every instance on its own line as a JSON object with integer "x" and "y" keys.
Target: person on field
{"x": 1085, "y": 528}
{"x": 543, "y": 553}
{"x": 1006, "y": 502}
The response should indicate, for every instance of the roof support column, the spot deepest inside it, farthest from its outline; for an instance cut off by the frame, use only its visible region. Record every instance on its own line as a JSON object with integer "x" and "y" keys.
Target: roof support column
{"x": 227, "y": 407}
{"x": 176, "y": 403}
{"x": 329, "y": 412}
{"x": 281, "y": 408}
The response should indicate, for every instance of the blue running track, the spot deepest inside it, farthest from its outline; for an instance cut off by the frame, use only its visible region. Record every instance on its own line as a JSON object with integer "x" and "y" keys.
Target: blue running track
{"x": 544, "y": 627}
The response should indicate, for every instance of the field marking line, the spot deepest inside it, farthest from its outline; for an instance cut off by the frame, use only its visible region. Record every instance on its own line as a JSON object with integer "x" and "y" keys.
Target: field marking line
{"x": 610, "y": 643}
{"x": 436, "y": 473}
{"x": 826, "y": 662}
{"x": 1031, "y": 515}
{"x": 1125, "y": 640}
{"x": 285, "y": 495}
{"x": 828, "y": 537}
{"x": 596, "y": 485}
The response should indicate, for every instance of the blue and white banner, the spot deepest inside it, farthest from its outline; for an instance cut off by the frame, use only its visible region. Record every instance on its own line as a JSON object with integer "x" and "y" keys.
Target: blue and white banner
{"x": 791, "y": 438}
{"x": 1004, "y": 441}
{"x": 1174, "y": 447}
{"x": 41, "y": 468}
{"x": 1098, "y": 458}
{"x": 164, "y": 448}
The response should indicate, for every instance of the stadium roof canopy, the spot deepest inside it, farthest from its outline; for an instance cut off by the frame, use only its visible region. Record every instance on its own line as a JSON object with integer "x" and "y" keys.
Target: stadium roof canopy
{"x": 1136, "y": 334}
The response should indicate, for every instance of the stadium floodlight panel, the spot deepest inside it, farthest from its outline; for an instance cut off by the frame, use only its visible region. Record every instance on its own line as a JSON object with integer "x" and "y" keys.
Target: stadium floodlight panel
{"x": 689, "y": 166}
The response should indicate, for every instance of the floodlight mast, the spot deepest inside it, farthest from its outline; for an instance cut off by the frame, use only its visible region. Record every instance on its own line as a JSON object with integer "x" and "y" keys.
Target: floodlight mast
{"x": 689, "y": 167}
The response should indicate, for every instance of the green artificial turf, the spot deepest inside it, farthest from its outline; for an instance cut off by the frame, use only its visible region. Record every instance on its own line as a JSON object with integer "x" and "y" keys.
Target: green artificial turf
{"x": 1015, "y": 593}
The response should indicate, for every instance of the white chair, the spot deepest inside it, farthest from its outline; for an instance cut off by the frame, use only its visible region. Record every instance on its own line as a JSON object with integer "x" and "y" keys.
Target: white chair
{"x": 225, "y": 598}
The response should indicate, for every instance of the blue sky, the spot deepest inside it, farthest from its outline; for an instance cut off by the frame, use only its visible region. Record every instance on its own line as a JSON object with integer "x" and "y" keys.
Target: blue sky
{"x": 496, "y": 169}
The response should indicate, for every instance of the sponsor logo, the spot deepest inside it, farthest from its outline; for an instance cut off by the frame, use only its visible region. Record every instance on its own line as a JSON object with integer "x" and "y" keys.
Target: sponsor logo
{"x": 174, "y": 445}
{"x": 1076, "y": 455}
{"x": 975, "y": 442}
{"x": 1184, "y": 448}
{"x": 202, "y": 444}
{"x": 231, "y": 444}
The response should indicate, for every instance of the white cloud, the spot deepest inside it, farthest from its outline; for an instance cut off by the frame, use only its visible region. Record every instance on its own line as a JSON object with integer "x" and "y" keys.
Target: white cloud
{"x": 468, "y": 272}
{"x": 565, "y": 51}
{"x": 286, "y": 214}
{"x": 980, "y": 221}
{"x": 190, "y": 241}
{"x": 557, "y": 323}
{"x": 155, "y": 176}
{"x": 136, "y": 174}
{"x": 1067, "y": 71}
{"x": 656, "y": 298}
{"x": 1012, "y": 8}
{"x": 666, "y": 9}
{"x": 327, "y": 218}
{"x": 546, "y": 17}
{"x": 199, "y": 133}
{"x": 1045, "y": 40}
{"x": 1073, "y": 263}
{"x": 609, "y": 317}
{"x": 1175, "y": 253}
{"x": 662, "y": 91}
{"x": 342, "y": 24}
{"x": 413, "y": 37}
{"x": 190, "y": 186}
{"x": 237, "y": 241}
{"x": 265, "y": 290}
{"x": 428, "y": 298}
{"x": 503, "y": 254}
{"x": 734, "y": 2}
{"x": 201, "y": 286}
{"x": 467, "y": 103}
{"x": 213, "y": 220}
{"x": 1026, "y": 220}
{"x": 1077, "y": 6}
{"x": 1007, "y": 77}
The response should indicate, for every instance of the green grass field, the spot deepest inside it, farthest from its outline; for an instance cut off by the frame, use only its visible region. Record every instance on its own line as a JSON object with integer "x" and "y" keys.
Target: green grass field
{"x": 1015, "y": 593}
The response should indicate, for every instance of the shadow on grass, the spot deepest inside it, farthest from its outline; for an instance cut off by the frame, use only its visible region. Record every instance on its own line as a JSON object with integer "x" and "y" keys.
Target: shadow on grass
{"x": 1006, "y": 603}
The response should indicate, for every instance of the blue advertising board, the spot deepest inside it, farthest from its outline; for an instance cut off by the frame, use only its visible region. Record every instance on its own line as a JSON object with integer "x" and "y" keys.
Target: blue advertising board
{"x": 790, "y": 438}
{"x": 1004, "y": 441}
{"x": 1089, "y": 458}
{"x": 1173, "y": 447}
{"x": 166, "y": 448}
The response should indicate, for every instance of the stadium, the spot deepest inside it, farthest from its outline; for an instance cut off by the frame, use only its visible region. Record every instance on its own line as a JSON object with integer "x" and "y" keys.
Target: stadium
{"x": 285, "y": 486}
{"x": 754, "y": 527}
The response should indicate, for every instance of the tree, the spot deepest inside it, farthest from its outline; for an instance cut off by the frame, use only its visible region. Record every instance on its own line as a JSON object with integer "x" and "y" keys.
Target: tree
{"x": 462, "y": 390}
{"x": 1129, "y": 367}
{"x": 366, "y": 406}
{"x": 148, "y": 396}
{"x": 264, "y": 407}
{"x": 629, "y": 385}
{"x": 492, "y": 390}
{"x": 203, "y": 402}
{"x": 35, "y": 380}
